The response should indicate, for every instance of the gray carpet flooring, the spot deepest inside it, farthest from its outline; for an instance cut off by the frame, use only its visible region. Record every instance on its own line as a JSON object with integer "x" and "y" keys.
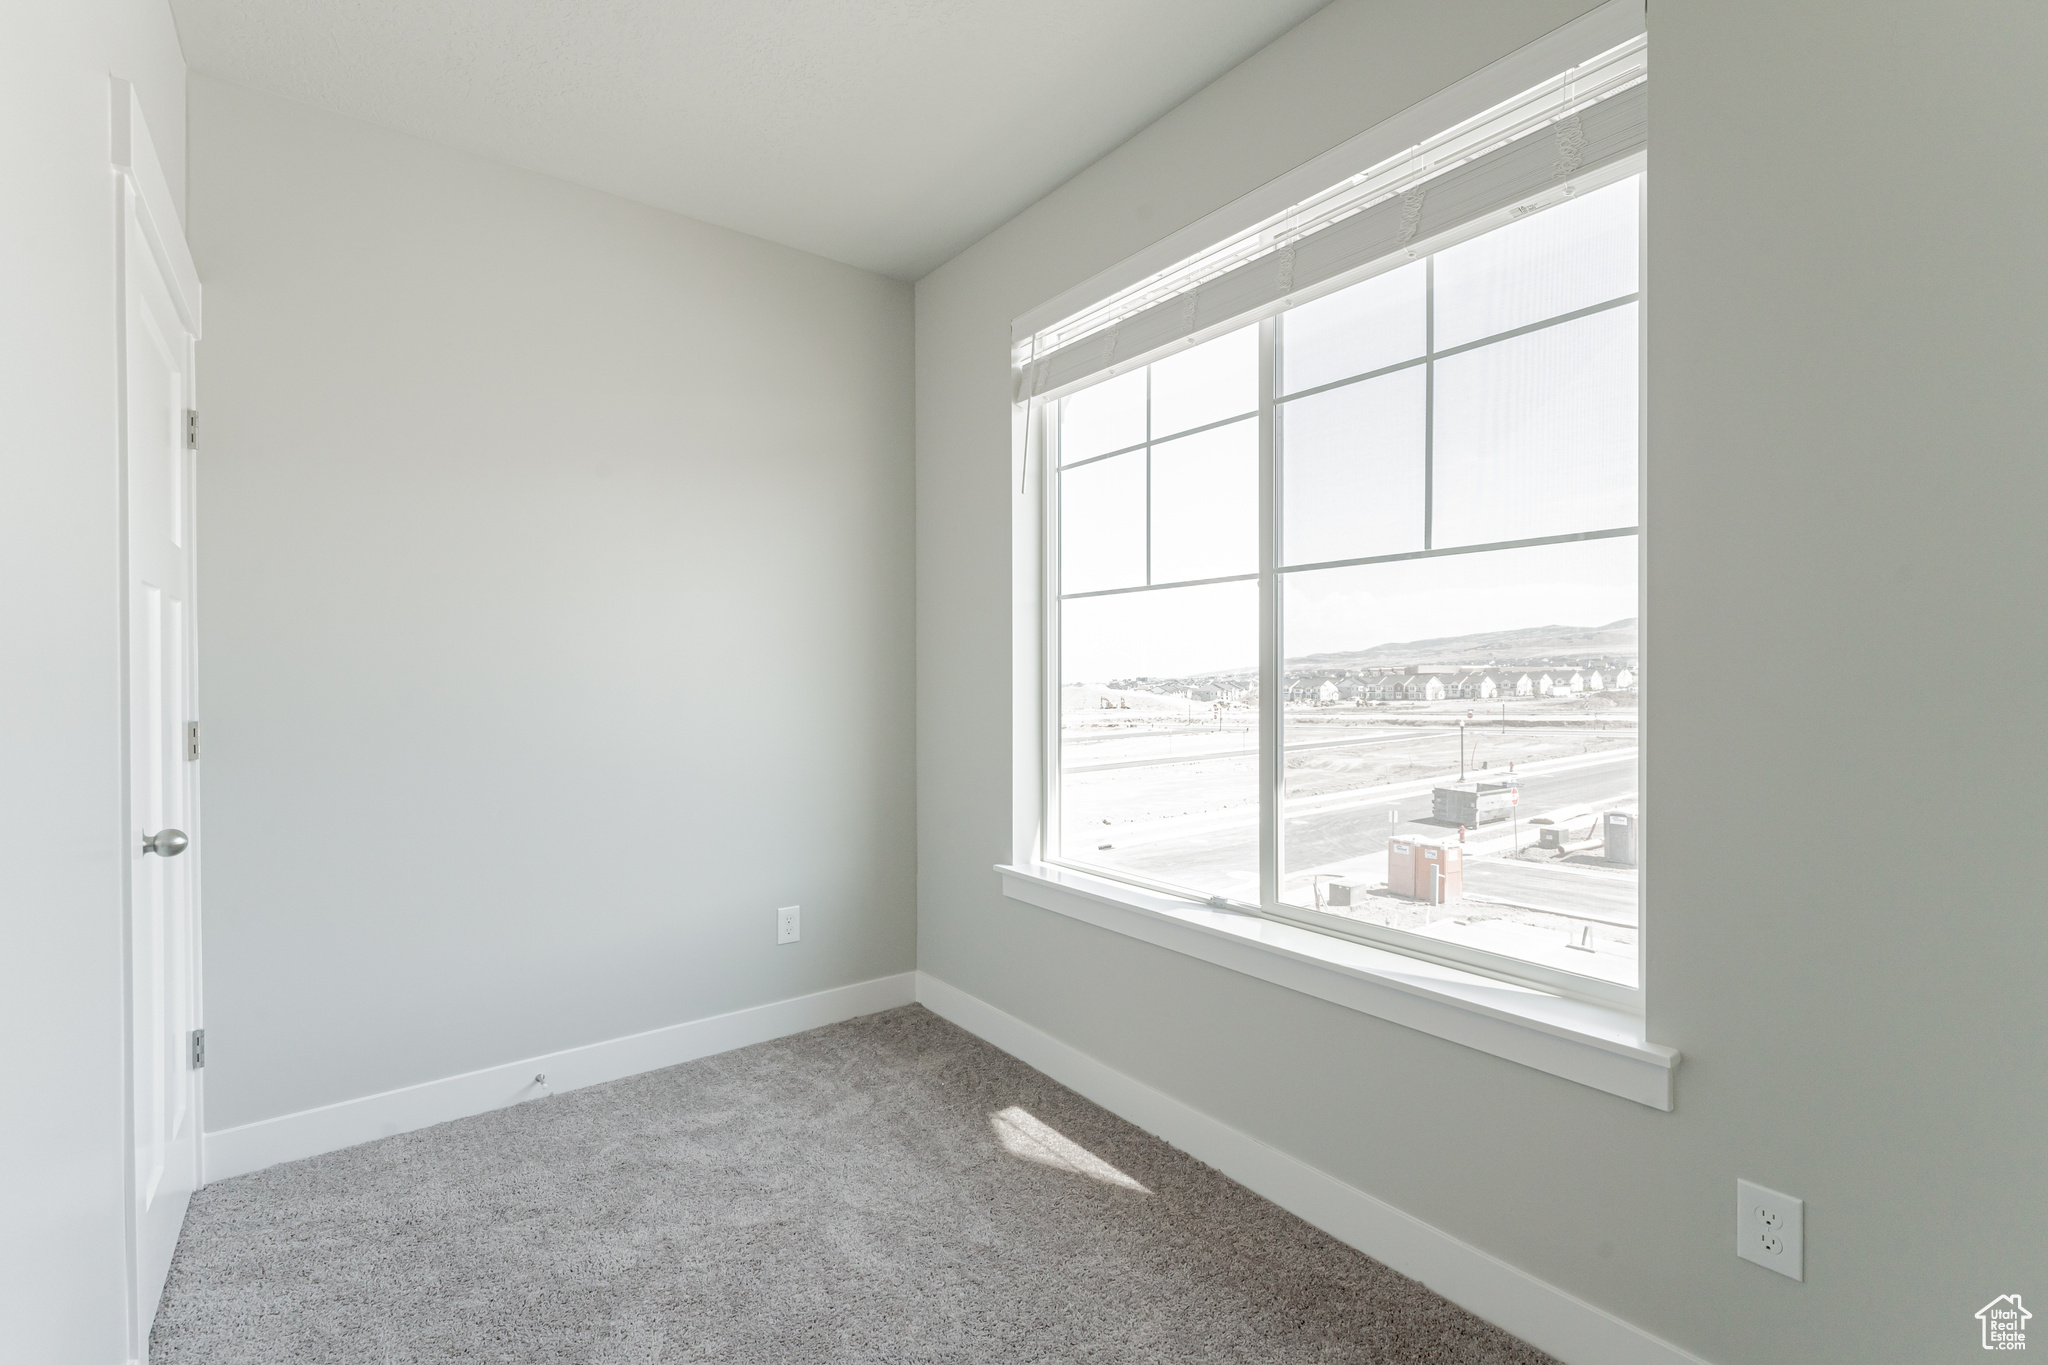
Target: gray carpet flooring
{"x": 887, "y": 1189}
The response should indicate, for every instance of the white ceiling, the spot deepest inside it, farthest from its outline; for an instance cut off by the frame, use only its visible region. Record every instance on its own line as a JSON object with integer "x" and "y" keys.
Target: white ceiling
{"x": 888, "y": 134}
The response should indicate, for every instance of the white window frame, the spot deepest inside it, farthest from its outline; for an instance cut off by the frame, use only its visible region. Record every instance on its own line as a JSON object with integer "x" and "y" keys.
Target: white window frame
{"x": 1272, "y": 710}
{"x": 1036, "y": 814}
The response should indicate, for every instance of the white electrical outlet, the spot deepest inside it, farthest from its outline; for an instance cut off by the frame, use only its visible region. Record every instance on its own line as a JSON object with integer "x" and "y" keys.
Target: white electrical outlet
{"x": 789, "y": 924}
{"x": 1770, "y": 1229}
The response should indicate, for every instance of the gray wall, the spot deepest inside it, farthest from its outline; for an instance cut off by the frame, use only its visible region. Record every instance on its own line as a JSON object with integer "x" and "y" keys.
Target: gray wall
{"x": 1846, "y": 571}
{"x": 63, "y": 1294}
{"x": 556, "y": 612}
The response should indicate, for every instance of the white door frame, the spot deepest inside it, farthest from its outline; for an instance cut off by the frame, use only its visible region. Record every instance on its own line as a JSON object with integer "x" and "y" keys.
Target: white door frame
{"x": 144, "y": 209}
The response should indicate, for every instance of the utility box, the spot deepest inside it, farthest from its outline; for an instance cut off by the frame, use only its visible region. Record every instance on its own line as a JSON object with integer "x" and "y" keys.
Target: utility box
{"x": 1401, "y": 862}
{"x": 1439, "y": 872}
{"x": 1345, "y": 895}
{"x": 1618, "y": 830}
{"x": 1562, "y": 828}
{"x": 1473, "y": 804}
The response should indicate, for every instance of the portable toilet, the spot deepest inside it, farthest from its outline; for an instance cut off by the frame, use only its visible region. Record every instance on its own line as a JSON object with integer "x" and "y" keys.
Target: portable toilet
{"x": 1401, "y": 860}
{"x": 1619, "y": 833}
{"x": 1439, "y": 872}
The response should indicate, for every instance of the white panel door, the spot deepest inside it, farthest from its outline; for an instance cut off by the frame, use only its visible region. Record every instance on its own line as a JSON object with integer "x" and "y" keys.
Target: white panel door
{"x": 162, "y": 927}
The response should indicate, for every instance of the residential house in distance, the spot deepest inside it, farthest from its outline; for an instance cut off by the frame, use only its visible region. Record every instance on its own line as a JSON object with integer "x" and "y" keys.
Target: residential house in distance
{"x": 1424, "y": 687}
{"x": 1478, "y": 686}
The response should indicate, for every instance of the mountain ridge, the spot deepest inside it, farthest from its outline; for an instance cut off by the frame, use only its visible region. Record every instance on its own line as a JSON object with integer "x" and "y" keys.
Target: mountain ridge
{"x": 1560, "y": 644}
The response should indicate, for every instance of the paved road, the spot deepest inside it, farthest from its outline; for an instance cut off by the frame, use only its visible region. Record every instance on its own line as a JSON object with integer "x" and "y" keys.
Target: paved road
{"x": 1243, "y": 742}
{"x": 1223, "y": 857}
{"x": 1248, "y": 746}
{"x": 1314, "y": 840}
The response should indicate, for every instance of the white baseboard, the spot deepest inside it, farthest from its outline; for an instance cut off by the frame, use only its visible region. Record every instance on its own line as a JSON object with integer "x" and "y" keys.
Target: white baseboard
{"x": 1541, "y": 1314}
{"x": 252, "y": 1146}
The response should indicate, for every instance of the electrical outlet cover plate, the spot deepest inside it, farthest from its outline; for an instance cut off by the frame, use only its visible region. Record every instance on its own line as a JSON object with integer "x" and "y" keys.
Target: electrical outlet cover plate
{"x": 1770, "y": 1229}
{"x": 789, "y": 924}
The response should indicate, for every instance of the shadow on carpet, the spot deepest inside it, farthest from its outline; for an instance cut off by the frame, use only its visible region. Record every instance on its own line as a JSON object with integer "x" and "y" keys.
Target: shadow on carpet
{"x": 887, "y": 1189}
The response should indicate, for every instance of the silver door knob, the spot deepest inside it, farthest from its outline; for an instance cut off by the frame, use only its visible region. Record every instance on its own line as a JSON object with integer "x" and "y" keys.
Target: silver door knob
{"x": 166, "y": 843}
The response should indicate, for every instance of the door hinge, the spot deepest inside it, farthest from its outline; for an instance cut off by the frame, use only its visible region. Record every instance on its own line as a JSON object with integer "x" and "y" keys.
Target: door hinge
{"x": 198, "y": 1048}
{"x": 191, "y": 740}
{"x": 191, "y": 428}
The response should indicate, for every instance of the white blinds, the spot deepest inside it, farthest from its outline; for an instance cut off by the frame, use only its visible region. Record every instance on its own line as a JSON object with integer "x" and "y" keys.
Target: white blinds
{"x": 1575, "y": 137}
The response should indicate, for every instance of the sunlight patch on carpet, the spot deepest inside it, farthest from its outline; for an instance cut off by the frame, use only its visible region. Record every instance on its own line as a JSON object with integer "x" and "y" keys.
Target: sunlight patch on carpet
{"x": 1026, "y": 1136}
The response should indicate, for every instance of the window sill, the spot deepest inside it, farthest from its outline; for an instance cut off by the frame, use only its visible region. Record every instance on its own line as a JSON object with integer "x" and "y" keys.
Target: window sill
{"x": 1595, "y": 1045}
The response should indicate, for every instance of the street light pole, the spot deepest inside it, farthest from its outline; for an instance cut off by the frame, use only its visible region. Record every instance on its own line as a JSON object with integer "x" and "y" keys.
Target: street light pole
{"x": 1461, "y": 751}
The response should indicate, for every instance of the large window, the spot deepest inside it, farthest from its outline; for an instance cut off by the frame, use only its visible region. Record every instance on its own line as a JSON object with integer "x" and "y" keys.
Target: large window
{"x": 1344, "y": 605}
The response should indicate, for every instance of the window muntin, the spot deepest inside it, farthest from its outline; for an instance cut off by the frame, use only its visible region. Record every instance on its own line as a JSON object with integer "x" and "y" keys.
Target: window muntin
{"x": 1486, "y": 394}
